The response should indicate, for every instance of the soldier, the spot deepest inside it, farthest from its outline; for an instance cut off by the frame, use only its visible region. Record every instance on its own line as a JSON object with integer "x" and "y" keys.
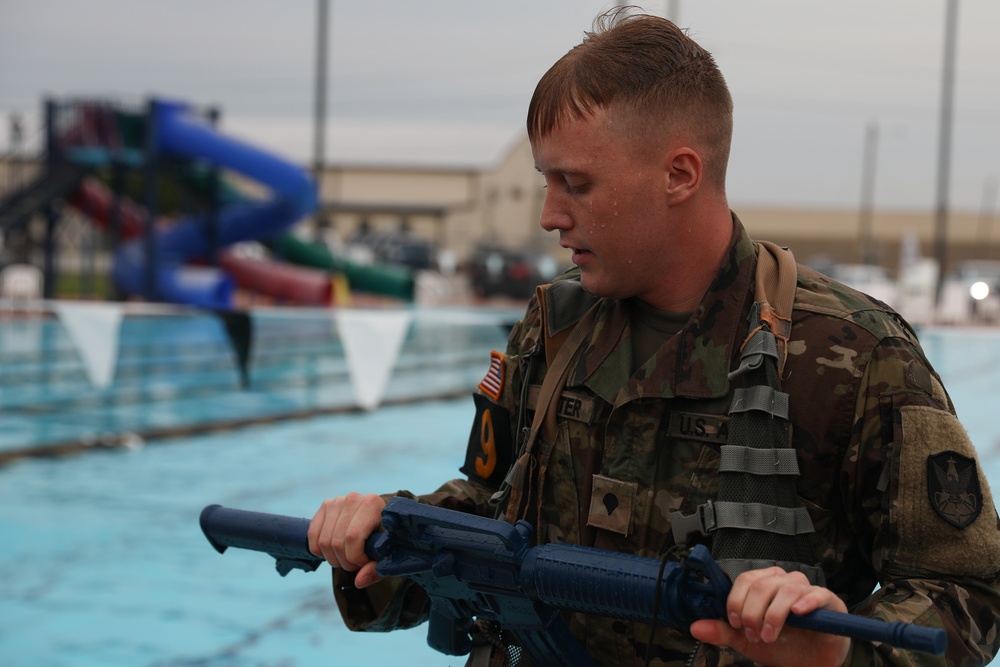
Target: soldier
{"x": 622, "y": 368}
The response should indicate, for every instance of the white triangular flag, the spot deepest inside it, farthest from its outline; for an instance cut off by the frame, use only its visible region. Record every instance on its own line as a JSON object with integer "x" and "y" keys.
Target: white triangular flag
{"x": 372, "y": 340}
{"x": 93, "y": 328}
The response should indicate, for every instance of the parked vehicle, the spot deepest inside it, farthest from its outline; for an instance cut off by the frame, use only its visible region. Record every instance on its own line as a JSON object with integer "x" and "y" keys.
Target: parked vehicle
{"x": 393, "y": 248}
{"x": 514, "y": 273}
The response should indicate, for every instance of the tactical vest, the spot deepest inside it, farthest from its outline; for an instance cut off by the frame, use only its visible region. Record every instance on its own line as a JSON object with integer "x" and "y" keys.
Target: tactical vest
{"x": 756, "y": 520}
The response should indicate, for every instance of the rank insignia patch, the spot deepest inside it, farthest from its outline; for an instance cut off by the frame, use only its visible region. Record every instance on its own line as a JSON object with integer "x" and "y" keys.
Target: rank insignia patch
{"x": 492, "y": 384}
{"x": 953, "y": 488}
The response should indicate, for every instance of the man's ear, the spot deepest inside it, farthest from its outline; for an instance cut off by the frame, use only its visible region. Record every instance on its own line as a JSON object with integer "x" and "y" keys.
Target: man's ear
{"x": 682, "y": 173}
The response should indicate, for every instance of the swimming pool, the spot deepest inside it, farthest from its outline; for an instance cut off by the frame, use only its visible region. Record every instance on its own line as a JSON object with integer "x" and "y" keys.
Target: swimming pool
{"x": 103, "y": 562}
{"x": 177, "y": 374}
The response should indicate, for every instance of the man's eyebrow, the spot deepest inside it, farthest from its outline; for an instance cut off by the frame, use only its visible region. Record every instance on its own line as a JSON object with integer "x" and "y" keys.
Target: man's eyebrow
{"x": 558, "y": 172}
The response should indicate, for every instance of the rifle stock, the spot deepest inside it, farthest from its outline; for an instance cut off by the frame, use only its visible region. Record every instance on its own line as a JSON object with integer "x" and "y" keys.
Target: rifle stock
{"x": 472, "y": 567}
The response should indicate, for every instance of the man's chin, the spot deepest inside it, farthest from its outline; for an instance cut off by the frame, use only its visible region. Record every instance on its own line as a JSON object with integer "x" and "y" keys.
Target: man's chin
{"x": 593, "y": 287}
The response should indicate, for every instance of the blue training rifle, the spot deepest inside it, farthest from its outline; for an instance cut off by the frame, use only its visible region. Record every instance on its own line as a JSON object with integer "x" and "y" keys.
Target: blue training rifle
{"x": 472, "y": 567}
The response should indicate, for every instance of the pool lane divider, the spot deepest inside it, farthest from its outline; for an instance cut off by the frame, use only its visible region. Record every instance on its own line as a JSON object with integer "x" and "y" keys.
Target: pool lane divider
{"x": 372, "y": 337}
{"x": 136, "y": 440}
{"x": 94, "y": 328}
{"x": 372, "y": 340}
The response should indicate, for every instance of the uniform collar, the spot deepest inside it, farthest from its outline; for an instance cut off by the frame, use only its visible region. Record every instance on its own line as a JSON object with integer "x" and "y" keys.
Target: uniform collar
{"x": 694, "y": 363}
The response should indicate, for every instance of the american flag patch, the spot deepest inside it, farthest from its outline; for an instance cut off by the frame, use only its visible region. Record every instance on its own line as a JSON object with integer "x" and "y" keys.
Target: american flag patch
{"x": 492, "y": 384}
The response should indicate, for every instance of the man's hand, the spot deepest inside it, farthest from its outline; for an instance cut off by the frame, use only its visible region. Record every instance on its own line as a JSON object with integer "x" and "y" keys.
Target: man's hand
{"x": 338, "y": 532}
{"x": 757, "y": 607}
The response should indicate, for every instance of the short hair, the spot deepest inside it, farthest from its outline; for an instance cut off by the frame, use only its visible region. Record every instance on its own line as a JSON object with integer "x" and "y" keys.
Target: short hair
{"x": 648, "y": 70}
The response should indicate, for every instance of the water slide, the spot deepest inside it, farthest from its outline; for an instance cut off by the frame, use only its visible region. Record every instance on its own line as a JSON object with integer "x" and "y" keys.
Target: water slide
{"x": 178, "y": 132}
{"x": 297, "y": 285}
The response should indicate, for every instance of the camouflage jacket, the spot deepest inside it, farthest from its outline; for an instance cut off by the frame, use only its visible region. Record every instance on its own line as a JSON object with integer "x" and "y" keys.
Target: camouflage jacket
{"x": 887, "y": 472}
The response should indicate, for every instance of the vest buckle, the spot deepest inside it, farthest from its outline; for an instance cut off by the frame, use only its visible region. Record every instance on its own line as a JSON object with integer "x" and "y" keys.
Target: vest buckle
{"x": 701, "y": 522}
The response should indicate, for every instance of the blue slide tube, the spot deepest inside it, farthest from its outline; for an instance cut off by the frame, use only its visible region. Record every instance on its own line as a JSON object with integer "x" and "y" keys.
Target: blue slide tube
{"x": 179, "y": 132}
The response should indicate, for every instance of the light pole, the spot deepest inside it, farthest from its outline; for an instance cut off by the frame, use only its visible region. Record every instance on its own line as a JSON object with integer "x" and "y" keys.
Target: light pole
{"x": 868, "y": 194}
{"x": 944, "y": 144}
{"x": 987, "y": 211}
{"x": 319, "y": 114}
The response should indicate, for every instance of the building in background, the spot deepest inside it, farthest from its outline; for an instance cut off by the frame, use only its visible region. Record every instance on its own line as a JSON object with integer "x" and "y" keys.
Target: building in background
{"x": 443, "y": 198}
{"x": 496, "y": 199}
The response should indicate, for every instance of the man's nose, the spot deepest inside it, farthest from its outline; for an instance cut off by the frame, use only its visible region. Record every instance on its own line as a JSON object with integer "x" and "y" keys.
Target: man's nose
{"x": 554, "y": 216}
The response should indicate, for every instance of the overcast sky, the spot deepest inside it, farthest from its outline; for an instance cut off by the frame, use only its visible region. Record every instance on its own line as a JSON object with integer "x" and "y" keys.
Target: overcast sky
{"x": 807, "y": 77}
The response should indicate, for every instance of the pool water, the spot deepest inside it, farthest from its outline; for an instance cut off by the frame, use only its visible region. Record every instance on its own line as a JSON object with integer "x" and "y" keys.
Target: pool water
{"x": 103, "y": 563}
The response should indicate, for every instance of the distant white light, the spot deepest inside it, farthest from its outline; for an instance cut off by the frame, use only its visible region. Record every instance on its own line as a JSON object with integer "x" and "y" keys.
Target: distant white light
{"x": 979, "y": 290}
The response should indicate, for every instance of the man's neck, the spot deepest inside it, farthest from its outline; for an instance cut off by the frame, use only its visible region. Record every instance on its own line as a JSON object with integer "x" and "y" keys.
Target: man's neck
{"x": 693, "y": 274}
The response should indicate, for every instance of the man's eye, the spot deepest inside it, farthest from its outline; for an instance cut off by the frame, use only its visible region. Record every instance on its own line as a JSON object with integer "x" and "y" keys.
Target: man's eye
{"x": 569, "y": 188}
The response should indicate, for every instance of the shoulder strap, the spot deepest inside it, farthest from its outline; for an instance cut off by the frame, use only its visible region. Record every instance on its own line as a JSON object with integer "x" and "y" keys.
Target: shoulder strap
{"x": 775, "y": 293}
{"x": 522, "y": 477}
{"x": 756, "y": 520}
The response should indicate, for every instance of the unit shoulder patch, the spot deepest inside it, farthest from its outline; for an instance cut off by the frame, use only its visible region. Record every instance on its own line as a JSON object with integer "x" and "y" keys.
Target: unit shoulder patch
{"x": 942, "y": 510}
{"x": 490, "y": 451}
{"x": 953, "y": 488}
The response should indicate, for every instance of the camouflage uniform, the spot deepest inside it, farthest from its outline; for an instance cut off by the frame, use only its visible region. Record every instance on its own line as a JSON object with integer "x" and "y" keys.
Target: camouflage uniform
{"x": 888, "y": 474}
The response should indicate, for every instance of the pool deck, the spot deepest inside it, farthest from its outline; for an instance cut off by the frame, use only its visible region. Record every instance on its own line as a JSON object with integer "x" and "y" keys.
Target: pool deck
{"x": 102, "y": 561}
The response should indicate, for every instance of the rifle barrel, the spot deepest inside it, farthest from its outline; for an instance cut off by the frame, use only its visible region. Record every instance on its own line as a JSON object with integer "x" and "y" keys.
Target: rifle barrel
{"x": 907, "y": 636}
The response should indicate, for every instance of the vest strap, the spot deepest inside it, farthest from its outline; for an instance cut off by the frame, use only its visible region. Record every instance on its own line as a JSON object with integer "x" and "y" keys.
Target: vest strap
{"x": 753, "y": 461}
{"x": 761, "y": 398}
{"x": 758, "y": 516}
{"x": 712, "y": 516}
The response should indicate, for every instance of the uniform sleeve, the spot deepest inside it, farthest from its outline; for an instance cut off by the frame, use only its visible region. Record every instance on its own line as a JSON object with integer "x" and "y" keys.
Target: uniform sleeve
{"x": 928, "y": 507}
{"x": 396, "y": 603}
